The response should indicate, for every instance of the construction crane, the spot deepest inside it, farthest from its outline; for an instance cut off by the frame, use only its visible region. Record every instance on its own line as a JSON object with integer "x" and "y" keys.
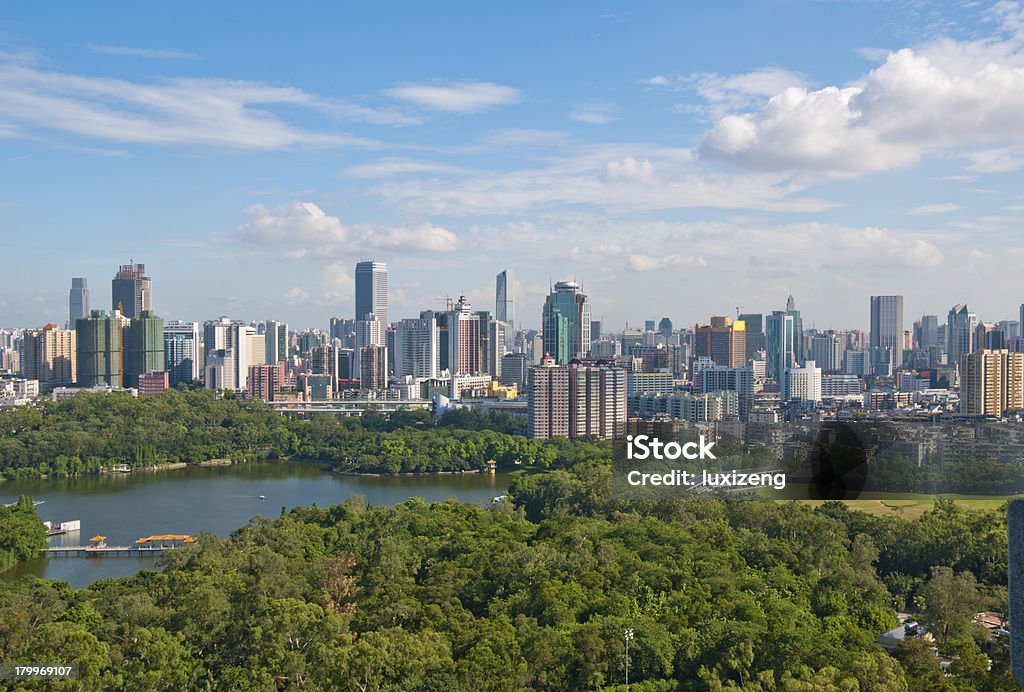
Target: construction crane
{"x": 449, "y": 304}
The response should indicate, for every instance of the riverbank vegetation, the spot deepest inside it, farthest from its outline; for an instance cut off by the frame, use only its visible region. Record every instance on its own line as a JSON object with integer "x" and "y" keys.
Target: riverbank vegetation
{"x": 537, "y": 592}
{"x": 90, "y": 433}
{"x": 22, "y": 534}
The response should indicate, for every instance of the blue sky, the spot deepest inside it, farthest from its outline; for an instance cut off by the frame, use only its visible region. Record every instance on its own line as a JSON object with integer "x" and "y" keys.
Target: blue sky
{"x": 678, "y": 159}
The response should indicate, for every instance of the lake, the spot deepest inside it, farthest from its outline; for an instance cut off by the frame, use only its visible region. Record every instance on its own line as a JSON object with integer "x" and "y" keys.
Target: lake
{"x": 218, "y": 499}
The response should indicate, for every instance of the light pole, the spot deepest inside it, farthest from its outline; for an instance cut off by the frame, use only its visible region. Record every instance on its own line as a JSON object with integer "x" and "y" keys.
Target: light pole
{"x": 628, "y": 635}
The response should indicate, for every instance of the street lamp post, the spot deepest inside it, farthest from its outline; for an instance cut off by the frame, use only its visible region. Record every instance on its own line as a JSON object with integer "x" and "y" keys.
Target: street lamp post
{"x": 628, "y": 635}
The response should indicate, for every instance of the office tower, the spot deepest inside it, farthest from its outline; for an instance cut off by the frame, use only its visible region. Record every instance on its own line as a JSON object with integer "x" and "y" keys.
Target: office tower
{"x": 826, "y": 351}
{"x": 78, "y": 301}
{"x": 566, "y": 322}
{"x": 648, "y": 325}
{"x": 665, "y": 327}
{"x": 754, "y": 322}
{"x": 143, "y": 341}
{"x": 991, "y": 382}
{"x": 227, "y": 344}
{"x": 724, "y": 341}
{"x": 373, "y": 368}
{"x": 416, "y": 347}
{"x": 779, "y": 334}
{"x": 960, "y": 333}
{"x": 265, "y": 380}
{"x": 181, "y": 352}
{"x": 1009, "y": 328}
{"x": 929, "y": 332}
{"x": 650, "y": 358}
{"x": 99, "y": 349}
{"x": 576, "y": 400}
{"x": 515, "y": 369}
{"x": 857, "y": 361}
{"x": 276, "y": 341}
{"x": 131, "y": 290}
{"x": 495, "y": 337}
{"x": 49, "y": 356}
{"x": 802, "y": 383}
{"x": 372, "y": 290}
{"x": 369, "y": 332}
{"x": 799, "y": 348}
{"x": 504, "y": 305}
{"x": 595, "y": 330}
{"x": 988, "y": 336}
{"x": 739, "y": 380}
{"x": 886, "y": 333}
{"x": 465, "y": 349}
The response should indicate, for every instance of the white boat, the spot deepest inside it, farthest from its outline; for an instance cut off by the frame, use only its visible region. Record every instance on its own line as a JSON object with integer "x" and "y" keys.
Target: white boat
{"x": 263, "y": 497}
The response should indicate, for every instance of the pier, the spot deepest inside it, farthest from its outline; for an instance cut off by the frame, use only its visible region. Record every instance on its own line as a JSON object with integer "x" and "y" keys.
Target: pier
{"x": 149, "y": 545}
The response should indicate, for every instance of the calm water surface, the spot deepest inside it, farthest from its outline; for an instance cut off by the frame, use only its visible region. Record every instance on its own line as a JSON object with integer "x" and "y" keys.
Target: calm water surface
{"x": 124, "y": 507}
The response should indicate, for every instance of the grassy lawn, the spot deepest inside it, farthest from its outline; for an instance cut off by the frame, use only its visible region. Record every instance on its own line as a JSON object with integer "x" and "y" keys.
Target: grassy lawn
{"x": 913, "y": 506}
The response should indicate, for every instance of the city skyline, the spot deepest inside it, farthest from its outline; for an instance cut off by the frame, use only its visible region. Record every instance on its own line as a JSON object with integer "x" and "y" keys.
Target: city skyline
{"x": 697, "y": 168}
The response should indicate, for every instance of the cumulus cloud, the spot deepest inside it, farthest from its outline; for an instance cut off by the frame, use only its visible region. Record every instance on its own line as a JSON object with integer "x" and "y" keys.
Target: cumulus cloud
{"x": 421, "y": 237}
{"x": 457, "y": 97}
{"x": 947, "y": 94}
{"x": 301, "y": 225}
{"x": 296, "y": 295}
{"x": 629, "y": 170}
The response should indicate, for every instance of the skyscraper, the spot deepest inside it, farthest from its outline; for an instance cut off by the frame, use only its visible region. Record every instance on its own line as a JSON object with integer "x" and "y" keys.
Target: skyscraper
{"x": 131, "y": 290}
{"x": 416, "y": 347}
{"x": 78, "y": 301}
{"x": 576, "y": 400}
{"x": 779, "y": 344}
{"x": 504, "y": 299}
{"x": 99, "y": 352}
{"x": 372, "y": 290}
{"x": 799, "y": 348}
{"x": 143, "y": 341}
{"x": 566, "y": 322}
{"x": 961, "y": 328}
{"x": 724, "y": 341}
{"x": 665, "y": 327}
{"x": 991, "y": 382}
{"x": 181, "y": 352}
{"x": 227, "y": 344}
{"x": 465, "y": 340}
{"x": 754, "y": 322}
{"x": 276, "y": 338}
{"x": 886, "y": 333}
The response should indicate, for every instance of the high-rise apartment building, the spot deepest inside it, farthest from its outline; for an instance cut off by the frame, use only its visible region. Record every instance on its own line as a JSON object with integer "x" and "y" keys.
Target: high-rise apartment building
{"x": 373, "y": 368}
{"x": 372, "y": 290}
{"x": 131, "y": 290}
{"x": 265, "y": 380}
{"x": 227, "y": 345}
{"x": 99, "y": 349}
{"x": 182, "y": 357}
{"x": 416, "y": 347}
{"x": 991, "y": 382}
{"x": 724, "y": 341}
{"x": 576, "y": 400}
{"x": 49, "y": 356}
{"x": 465, "y": 340}
{"x": 566, "y": 322}
{"x": 78, "y": 301}
{"x": 143, "y": 342}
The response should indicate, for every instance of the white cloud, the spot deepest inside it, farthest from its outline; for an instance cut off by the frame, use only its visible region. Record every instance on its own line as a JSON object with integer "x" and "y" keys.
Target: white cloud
{"x": 930, "y": 209}
{"x": 628, "y": 170}
{"x": 594, "y": 112}
{"x": 947, "y": 94}
{"x": 389, "y": 166}
{"x": 303, "y": 227}
{"x": 421, "y": 237}
{"x": 180, "y": 111}
{"x": 457, "y": 97}
{"x": 646, "y": 263}
{"x": 296, "y": 295}
{"x": 158, "y": 53}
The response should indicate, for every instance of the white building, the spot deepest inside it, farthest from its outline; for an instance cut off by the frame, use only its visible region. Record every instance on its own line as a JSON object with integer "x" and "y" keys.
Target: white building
{"x": 802, "y": 383}
{"x": 416, "y": 347}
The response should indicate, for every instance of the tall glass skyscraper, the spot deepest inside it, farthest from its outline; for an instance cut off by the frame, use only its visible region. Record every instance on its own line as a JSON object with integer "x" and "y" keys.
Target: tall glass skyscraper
{"x": 566, "y": 322}
{"x": 372, "y": 291}
{"x": 886, "y": 333}
{"x": 504, "y": 306}
{"x": 131, "y": 290}
{"x": 181, "y": 352}
{"x": 78, "y": 301}
{"x": 779, "y": 340}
